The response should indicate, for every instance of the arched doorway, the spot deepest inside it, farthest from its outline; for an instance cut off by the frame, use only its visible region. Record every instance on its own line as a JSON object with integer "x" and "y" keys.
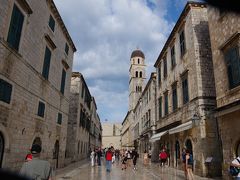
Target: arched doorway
{"x": 188, "y": 145}
{"x": 1, "y": 149}
{"x": 56, "y": 152}
{"x": 177, "y": 153}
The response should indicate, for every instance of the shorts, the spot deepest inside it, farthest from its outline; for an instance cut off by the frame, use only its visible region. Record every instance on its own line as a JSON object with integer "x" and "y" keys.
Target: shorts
{"x": 163, "y": 160}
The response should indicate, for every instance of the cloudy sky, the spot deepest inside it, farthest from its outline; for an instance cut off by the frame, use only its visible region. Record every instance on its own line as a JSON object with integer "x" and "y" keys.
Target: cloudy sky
{"x": 105, "y": 33}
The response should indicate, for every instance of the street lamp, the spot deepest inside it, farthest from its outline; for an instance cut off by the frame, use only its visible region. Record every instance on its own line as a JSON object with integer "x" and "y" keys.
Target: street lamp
{"x": 195, "y": 120}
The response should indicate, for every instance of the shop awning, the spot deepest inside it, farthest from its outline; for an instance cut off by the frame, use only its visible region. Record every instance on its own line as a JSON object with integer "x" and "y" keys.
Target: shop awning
{"x": 182, "y": 127}
{"x": 158, "y": 136}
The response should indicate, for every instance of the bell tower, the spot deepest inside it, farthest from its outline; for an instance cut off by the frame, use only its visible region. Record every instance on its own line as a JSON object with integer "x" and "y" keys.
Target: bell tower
{"x": 137, "y": 76}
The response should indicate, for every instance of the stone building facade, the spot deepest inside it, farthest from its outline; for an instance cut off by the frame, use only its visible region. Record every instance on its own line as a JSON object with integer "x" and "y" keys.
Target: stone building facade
{"x": 111, "y": 135}
{"x": 224, "y": 30}
{"x": 144, "y": 121}
{"x": 81, "y": 125}
{"x": 36, "y": 53}
{"x": 126, "y": 139}
{"x": 96, "y": 127}
{"x": 186, "y": 93}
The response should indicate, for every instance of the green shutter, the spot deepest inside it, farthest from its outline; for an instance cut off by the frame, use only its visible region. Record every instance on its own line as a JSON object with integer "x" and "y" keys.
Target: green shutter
{"x": 63, "y": 81}
{"x": 41, "y": 109}
{"x": 66, "y": 48}
{"x": 160, "y": 107}
{"x": 46, "y": 64}
{"x": 15, "y": 29}
{"x": 233, "y": 67}
{"x": 51, "y": 23}
{"x": 59, "y": 121}
{"x": 5, "y": 91}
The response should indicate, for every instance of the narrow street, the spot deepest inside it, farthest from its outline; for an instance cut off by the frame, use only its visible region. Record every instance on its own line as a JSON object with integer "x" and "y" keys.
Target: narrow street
{"x": 152, "y": 172}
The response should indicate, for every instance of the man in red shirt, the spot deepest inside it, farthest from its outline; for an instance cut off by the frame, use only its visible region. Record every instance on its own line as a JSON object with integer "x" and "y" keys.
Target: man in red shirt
{"x": 163, "y": 157}
{"x": 108, "y": 156}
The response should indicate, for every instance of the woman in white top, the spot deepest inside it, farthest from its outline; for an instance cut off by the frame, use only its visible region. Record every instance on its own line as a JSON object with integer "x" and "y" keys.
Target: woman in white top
{"x": 92, "y": 156}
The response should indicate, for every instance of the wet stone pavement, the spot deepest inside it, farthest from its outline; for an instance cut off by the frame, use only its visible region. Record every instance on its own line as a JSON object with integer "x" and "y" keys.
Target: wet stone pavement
{"x": 84, "y": 171}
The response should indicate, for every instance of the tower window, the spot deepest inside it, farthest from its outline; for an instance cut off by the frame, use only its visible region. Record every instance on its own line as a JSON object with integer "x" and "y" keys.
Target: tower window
{"x": 136, "y": 73}
{"x": 138, "y": 61}
{"x": 140, "y": 74}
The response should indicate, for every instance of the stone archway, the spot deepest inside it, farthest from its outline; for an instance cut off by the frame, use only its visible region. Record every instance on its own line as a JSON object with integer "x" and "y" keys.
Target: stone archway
{"x": 2, "y": 145}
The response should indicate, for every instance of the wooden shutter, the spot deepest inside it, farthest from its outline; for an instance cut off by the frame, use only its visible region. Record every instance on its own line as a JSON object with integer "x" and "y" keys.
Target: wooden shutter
{"x": 5, "y": 91}
{"x": 46, "y": 64}
{"x": 59, "y": 121}
{"x": 63, "y": 81}
{"x": 51, "y": 23}
{"x": 15, "y": 28}
{"x": 41, "y": 109}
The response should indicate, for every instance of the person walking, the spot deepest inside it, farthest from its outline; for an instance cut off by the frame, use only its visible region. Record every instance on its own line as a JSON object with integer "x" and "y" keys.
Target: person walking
{"x": 134, "y": 156}
{"x": 37, "y": 168}
{"x": 124, "y": 162}
{"x": 92, "y": 156}
{"x": 99, "y": 155}
{"x": 163, "y": 157}
{"x": 108, "y": 156}
{"x": 184, "y": 161}
{"x": 189, "y": 165}
{"x": 145, "y": 158}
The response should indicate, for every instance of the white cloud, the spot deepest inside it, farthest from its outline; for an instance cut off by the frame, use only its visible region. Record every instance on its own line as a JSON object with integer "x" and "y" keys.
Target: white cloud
{"x": 105, "y": 33}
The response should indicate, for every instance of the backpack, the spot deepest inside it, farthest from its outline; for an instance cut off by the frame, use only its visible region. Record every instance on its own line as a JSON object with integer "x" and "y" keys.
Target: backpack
{"x": 234, "y": 170}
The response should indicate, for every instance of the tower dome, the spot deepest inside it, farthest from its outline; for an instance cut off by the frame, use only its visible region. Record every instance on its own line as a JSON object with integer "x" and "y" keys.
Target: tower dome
{"x": 137, "y": 53}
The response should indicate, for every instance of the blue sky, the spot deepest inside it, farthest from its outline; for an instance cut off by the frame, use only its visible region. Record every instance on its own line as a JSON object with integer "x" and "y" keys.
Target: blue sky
{"x": 105, "y": 33}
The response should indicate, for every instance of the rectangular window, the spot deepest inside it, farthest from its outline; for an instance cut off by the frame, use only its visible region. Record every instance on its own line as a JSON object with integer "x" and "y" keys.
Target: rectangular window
{"x": 165, "y": 68}
{"x": 59, "y": 119}
{"x": 51, "y": 23}
{"x": 182, "y": 43}
{"x": 66, "y": 48}
{"x": 233, "y": 66}
{"x": 63, "y": 81}
{"x": 41, "y": 109}
{"x": 159, "y": 75}
{"x": 15, "y": 29}
{"x": 173, "y": 59}
{"x": 185, "y": 89}
{"x": 174, "y": 97}
{"x": 5, "y": 91}
{"x": 160, "y": 107}
{"x": 166, "y": 103}
{"x": 46, "y": 64}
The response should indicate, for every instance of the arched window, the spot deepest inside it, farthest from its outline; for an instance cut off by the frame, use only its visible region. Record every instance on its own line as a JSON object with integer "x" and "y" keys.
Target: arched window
{"x": 136, "y": 73}
{"x": 138, "y": 61}
{"x": 140, "y": 74}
